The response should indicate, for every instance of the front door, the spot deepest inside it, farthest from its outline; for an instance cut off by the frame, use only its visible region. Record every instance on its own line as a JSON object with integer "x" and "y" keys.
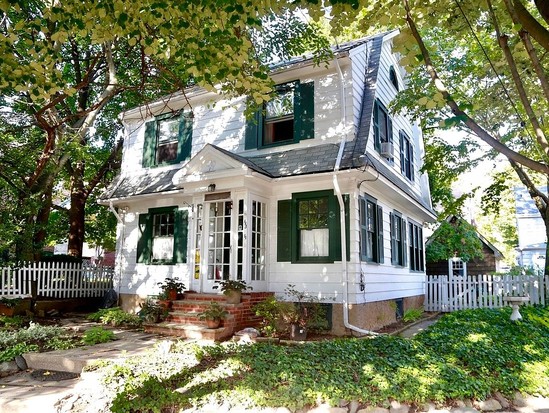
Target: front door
{"x": 218, "y": 244}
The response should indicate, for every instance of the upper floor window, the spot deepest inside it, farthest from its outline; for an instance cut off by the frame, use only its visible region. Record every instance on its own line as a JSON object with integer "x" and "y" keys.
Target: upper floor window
{"x": 393, "y": 77}
{"x": 406, "y": 156}
{"x": 162, "y": 236}
{"x": 279, "y": 116}
{"x": 398, "y": 239}
{"x": 371, "y": 230}
{"x": 416, "y": 246}
{"x": 287, "y": 118}
{"x": 383, "y": 130}
{"x": 168, "y": 139}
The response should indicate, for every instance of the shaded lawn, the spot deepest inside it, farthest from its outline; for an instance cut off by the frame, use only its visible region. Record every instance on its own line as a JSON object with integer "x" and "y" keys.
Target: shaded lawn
{"x": 467, "y": 354}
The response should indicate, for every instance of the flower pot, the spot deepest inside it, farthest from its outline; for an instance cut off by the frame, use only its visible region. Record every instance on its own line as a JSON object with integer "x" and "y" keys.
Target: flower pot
{"x": 213, "y": 323}
{"x": 7, "y": 311}
{"x": 233, "y": 296}
{"x": 172, "y": 295}
{"x": 297, "y": 332}
{"x": 165, "y": 304}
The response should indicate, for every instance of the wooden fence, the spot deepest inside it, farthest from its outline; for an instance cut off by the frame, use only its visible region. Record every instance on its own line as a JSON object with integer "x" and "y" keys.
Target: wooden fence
{"x": 452, "y": 293}
{"x": 55, "y": 280}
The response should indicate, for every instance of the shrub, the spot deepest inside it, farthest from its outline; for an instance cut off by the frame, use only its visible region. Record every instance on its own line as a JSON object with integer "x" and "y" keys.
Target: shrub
{"x": 115, "y": 316}
{"x": 96, "y": 335}
{"x": 412, "y": 314}
{"x": 270, "y": 311}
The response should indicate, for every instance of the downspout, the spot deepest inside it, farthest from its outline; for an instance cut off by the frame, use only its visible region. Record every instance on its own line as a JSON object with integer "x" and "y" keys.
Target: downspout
{"x": 337, "y": 190}
{"x": 120, "y": 220}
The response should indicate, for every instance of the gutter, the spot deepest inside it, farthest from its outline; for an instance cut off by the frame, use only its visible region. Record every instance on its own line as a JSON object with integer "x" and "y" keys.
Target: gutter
{"x": 120, "y": 220}
{"x": 337, "y": 190}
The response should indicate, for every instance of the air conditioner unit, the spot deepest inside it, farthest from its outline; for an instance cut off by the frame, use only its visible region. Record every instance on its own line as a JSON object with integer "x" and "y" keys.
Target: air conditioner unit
{"x": 387, "y": 149}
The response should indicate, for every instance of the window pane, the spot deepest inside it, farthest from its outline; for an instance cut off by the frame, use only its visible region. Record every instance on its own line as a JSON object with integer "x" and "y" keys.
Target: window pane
{"x": 314, "y": 242}
{"x": 279, "y": 116}
{"x": 281, "y": 105}
{"x": 162, "y": 249}
{"x": 168, "y": 130}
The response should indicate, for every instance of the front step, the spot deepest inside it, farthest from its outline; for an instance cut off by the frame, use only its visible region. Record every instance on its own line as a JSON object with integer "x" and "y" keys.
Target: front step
{"x": 189, "y": 331}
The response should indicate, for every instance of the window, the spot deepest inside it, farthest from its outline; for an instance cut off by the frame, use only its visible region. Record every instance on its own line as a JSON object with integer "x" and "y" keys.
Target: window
{"x": 168, "y": 139}
{"x": 398, "y": 238}
{"x": 406, "y": 156}
{"x": 309, "y": 228}
{"x": 383, "y": 130}
{"x": 371, "y": 230}
{"x": 287, "y": 118}
{"x": 259, "y": 240}
{"x": 458, "y": 267}
{"x": 416, "y": 246}
{"x": 279, "y": 116}
{"x": 162, "y": 236}
{"x": 393, "y": 77}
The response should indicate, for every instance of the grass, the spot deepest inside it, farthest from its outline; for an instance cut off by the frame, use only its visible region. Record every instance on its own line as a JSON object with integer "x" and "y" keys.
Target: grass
{"x": 468, "y": 354}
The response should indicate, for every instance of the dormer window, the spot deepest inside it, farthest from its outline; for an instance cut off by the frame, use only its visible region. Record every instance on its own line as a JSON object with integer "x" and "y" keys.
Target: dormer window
{"x": 168, "y": 139}
{"x": 393, "y": 77}
{"x": 287, "y": 118}
{"x": 383, "y": 130}
{"x": 406, "y": 156}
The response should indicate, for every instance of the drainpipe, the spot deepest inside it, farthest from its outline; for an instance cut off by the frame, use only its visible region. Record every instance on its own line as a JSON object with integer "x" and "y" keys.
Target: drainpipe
{"x": 337, "y": 190}
{"x": 120, "y": 220}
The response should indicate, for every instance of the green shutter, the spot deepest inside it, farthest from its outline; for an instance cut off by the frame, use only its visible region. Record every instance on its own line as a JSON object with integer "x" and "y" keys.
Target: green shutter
{"x": 149, "y": 145}
{"x": 377, "y": 143}
{"x": 304, "y": 111}
{"x": 284, "y": 231}
{"x": 184, "y": 146}
{"x": 347, "y": 201}
{"x": 389, "y": 129}
{"x": 380, "y": 250}
{"x": 144, "y": 242}
{"x": 254, "y": 130}
{"x": 181, "y": 220}
{"x": 402, "y": 154}
{"x": 404, "y": 243}
{"x": 394, "y": 252}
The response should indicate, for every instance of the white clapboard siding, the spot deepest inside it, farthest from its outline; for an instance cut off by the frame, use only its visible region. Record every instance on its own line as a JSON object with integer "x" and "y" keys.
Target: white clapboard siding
{"x": 452, "y": 293}
{"x": 56, "y": 280}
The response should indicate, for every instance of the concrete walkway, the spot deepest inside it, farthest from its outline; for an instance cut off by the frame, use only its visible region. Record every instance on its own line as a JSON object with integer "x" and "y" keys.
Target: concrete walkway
{"x": 413, "y": 329}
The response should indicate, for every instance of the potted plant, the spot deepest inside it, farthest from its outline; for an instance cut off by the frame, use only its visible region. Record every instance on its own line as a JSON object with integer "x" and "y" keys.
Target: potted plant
{"x": 7, "y": 305}
{"x": 232, "y": 289}
{"x": 172, "y": 287}
{"x": 152, "y": 312}
{"x": 213, "y": 315}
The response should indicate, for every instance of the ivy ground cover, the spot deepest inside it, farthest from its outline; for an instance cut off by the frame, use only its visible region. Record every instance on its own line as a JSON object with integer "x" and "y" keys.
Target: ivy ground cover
{"x": 468, "y": 354}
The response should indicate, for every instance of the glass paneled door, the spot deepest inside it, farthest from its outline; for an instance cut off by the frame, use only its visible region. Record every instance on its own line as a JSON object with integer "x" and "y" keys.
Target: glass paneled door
{"x": 219, "y": 244}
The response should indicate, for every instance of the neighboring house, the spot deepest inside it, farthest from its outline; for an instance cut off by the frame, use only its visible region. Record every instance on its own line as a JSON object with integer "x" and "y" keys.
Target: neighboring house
{"x": 532, "y": 240}
{"x": 491, "y": 261}
{"x": 325, "y": 172}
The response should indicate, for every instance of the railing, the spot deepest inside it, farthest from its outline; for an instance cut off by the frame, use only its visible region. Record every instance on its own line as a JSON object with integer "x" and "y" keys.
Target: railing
{"x": 452, "y": 293}
{"x": 55, "y": 280}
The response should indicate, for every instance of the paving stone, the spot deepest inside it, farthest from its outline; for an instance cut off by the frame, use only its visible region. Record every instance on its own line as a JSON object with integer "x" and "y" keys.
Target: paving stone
{"x": 502, "y": 400}
{"x": 7, "y": 368}
{"x": 490, "y": 405}
{"x": 353, "y": 406}
{"x": 373, "y": 410}
{"x": 327, "y": 409}
{"x": 396, "y": 407}
{"x": 464, "y": 410}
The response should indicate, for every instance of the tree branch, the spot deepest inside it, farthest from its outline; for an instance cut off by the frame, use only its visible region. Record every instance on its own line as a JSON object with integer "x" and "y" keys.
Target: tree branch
{"x": 107, "y": 165}
{"x": 531, "y": 25}
{"x": 471, "y": 124}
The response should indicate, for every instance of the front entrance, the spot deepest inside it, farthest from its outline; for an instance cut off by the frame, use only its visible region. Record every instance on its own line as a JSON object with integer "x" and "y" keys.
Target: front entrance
{"x": 231, "y": 240}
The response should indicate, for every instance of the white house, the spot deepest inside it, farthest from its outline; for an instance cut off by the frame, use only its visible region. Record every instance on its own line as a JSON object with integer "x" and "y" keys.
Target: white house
{"x": 321, "y": 190}
{"x": 530, "y": 230}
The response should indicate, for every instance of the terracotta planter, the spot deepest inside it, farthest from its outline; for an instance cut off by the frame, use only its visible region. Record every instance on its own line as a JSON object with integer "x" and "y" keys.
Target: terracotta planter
{"x": 165, "y": 304}
{"x": 233, "y": 297}
{"x": 297, "y": 332}
{"x": 172, "y": 295}
{"x": 7, "y": 311}
{"x": 213, "y": 323}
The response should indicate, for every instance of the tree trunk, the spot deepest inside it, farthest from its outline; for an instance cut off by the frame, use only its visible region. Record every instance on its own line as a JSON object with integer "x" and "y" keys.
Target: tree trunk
{"x": 40, "y": 229}
{"x": 77, "y": 214}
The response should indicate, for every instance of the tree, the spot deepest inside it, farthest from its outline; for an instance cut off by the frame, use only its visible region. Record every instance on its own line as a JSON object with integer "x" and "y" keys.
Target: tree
{"x": 68, "y": 68}
{"x": 483, "y": 69}
{"x": 455, "y": 238}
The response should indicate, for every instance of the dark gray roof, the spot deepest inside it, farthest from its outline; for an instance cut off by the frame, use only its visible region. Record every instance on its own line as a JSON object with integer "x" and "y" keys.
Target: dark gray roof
{"x": 145, "y": 183}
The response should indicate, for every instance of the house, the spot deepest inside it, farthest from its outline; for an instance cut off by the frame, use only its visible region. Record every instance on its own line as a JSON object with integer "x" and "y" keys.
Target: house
{"x": 322, "y": 190}
{"x": 532, "y": 238}
{"x": 490, "y": 262}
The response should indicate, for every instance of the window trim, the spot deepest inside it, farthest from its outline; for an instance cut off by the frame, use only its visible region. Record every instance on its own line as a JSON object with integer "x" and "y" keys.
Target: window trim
{"x": 416, "y": 252}
{"x": 378, "y": 250}
{"x": 380, "y": 107}
{"x": 398, "y": 244}
{"x": 145, "y": 238}
{"x": 393, "y": 78}
{"x": 261, "y": 144}
{"x": 151, "y": 139}
{"x": 406, "y": 156}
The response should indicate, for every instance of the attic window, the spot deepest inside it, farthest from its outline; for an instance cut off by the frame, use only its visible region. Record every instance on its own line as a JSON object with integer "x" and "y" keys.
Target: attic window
{"x": 393, "y": 77}
{"x": 279, "y": 116}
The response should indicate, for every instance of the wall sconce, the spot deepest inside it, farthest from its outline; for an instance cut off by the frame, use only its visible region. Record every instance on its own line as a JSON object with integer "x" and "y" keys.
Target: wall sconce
{"x": 211, "y": 188}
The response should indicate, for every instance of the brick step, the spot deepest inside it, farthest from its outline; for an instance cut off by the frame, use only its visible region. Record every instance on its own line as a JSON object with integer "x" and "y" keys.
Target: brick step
{"x": 189, "y": 331}
{"x": 197, "y": 306}
{"x": 183, "y": 317}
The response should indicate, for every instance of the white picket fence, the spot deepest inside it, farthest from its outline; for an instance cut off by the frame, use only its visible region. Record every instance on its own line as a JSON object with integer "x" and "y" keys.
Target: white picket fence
{"x": 452, "y": 293}
{"x": 56, "y": 280}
